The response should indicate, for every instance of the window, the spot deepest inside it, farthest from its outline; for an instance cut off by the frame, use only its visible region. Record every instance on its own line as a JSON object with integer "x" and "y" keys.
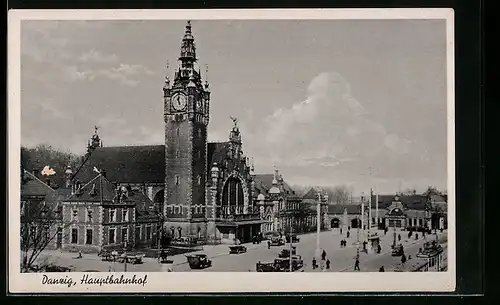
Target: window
{"x": 177, "y": 179}
{"x": 148, "y": 232}
{"x": 203, "y": 210}
{"x": 74, "y": 235}
{"x": 177, "y": 154}
{"x": 88, "y": 239}
{"x": 199, "y": 180}
{"x": 178, "y": 132}
{"x": 125, "y": 215}
{"x": 46, "y": 233}
{"x": 112, "y": 235}
{"x": 74, "y": 216}
{"x": 198, "y": 154}
{"x": 89, "y": 215}
{"x": 112, "y": 215}
{"x": 124, "y": 234}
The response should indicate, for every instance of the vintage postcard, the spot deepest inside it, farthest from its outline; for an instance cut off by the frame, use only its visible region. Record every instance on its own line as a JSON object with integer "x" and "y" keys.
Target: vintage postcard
{"x": 190, "y": 151}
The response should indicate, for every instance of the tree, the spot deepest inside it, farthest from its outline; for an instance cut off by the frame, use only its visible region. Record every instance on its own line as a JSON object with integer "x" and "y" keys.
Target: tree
{"x": 339, "y": 194}
{"x": 432, "y": 190}
{"x": 40, "y": 224}
{"x": 35, "y": 159}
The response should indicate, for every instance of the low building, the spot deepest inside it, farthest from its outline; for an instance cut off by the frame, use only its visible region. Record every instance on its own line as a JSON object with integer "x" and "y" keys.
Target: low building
{"x": 40, "y": 217}
{"x": 101, "y": 215}
{"x": 310, "y": 201}
{"x": 278, "y": 204}
{"x": 394, "y": 211}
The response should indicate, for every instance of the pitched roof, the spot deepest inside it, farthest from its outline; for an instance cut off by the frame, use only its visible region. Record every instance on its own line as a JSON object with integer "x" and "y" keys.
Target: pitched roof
{"x": 339, "y": 208}
{"x": 91, "y": 191}
{"x": 264, "y": 182}
{"x": 32, "y": 186}
{"x": 126, "y": 164}
{"x": 412, "y": 202}
{"x": 311, "y": 194}
{"x": 138, "y": 164}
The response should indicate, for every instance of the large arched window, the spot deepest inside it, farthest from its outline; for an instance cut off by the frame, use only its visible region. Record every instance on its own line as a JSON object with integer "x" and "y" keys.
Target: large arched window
{"x": 232, "y": 196}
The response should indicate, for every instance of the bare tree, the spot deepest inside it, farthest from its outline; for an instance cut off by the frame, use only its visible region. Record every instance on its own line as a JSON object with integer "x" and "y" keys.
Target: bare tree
{"x": 340, "y": 194}
{"x": 40, "y": 224}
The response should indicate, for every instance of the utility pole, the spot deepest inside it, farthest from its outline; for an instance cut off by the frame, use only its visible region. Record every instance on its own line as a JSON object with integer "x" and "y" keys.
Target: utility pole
{"x": 291, "y": 241}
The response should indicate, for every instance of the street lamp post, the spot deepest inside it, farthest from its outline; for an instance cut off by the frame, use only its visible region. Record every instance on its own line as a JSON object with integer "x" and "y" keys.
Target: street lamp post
{"x": 318, "y": 224}
{"x": 291, "y": 241}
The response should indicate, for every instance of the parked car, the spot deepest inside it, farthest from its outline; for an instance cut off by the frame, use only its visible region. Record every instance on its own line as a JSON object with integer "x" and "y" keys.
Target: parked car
{"x": 283, "y": 264}
{"x": 286, "y": 252}
{"x": 398, "y": 250}
{"x": 199, "y": 261}
{"x": 277, "y": 241}
{"x": 237, "y": 249}
{"x": 265, "y": 267}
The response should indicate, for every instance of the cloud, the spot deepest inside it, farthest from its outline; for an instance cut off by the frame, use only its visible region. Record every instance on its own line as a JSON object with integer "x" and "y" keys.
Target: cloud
{"x": 329, "y": 128}
{"x": 96, "y": 56}
{"x": 124, "y": 73}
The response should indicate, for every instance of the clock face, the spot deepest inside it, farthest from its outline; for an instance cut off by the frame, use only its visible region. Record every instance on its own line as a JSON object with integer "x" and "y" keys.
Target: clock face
{"x": 179, "y": 101}
{"x": 198, "y": 105}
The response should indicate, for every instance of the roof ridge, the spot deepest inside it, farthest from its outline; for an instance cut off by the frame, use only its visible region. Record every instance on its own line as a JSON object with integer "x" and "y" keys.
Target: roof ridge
{"x": 39, "y": 180}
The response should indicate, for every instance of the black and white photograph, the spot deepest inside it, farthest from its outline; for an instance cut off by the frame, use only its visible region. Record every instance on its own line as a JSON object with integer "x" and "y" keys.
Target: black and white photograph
{"x": 187, "y": 146}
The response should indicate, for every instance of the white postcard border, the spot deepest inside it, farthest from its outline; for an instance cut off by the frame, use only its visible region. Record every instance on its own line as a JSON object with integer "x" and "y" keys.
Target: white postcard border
{"x": 224, "y": 282}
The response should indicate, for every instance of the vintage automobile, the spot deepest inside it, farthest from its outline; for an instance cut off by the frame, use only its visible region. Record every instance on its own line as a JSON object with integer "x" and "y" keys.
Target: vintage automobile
{"x": 237, "y": 249}
{"x": 292, "y": 238}
{"x": 131, "y": 258}
{"x": 198, "y": 261}
{"x": 257, "y": 239}
{"x": 283, "y": 264}
{"x": 398, "y": 250}
{"x": 277, "y": 241}
{"x": 164, "y": 257}
{"x": 286, "y": 252}
{"x": 265, "y": 267}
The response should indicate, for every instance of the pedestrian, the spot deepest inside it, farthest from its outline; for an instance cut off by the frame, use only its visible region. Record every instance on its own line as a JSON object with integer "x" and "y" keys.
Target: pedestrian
{"x": 323, "y": 255}
{"x": 416, "y": 236}
{"x": 423, "y": 234}
{"x": 80, "y": 254}
{"x": 341, "y": 243}
{"x": 340, "y": 231}
{"x": 399, "y": 237}
{"x": 314, "y": 263}
{"x": 268, "y": 244}
{"x": 379, "y": 248}
{"x": 403, "y": 258}
{"x": 356, "y": 265}
{"x": 348, "y": 228}
{"x": 348, "y": 234}
{"x": 364, "y": 245}
{"x": 381, "y": 269}
{"x": 327, "y": 264}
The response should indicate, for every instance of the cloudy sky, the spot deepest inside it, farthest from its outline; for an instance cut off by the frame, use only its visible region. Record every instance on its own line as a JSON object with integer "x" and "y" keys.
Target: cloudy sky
{"x": 324, "y": 101}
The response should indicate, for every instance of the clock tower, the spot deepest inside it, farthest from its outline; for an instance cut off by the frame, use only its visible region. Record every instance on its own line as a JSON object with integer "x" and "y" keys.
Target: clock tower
{"x": 186, "y": 113}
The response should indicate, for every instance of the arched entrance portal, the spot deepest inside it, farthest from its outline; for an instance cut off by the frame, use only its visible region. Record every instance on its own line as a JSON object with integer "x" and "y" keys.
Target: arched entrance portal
{"x": 335, "y": 223}
{"x": 232, "y": 197}
{"x": 355, "y": 223}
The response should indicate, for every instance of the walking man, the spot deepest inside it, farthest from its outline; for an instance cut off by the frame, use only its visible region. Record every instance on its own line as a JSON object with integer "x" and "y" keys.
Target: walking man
{"x": 356, "y": 264}
{"x": 268, "y": 244}
{"x": 382, "y": 269}
{"x": 314, "y": 263}
{"x": 323, "y": 255}
{"x": 403, "y": 258}
{"x": 327, "y": 264}
{"x": 340, "y": 231}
